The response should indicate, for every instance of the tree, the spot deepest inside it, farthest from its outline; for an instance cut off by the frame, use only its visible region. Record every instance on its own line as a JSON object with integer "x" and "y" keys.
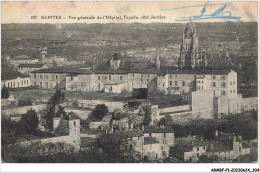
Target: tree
{"x": 28, "y": 123}
{"x": 114, "y": 149}
{"x": 4, "y": 93}
{"x": 56, "y": 99}
{"x": 100, "y": 111}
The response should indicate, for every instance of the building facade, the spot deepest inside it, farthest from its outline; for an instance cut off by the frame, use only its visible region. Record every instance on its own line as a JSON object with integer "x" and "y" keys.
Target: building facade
{"x": 28, "y": 68}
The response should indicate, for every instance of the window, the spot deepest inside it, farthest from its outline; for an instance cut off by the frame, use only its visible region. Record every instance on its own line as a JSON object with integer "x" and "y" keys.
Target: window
{"x": 11, "y": 84}
{"x": 183, "y": 83}
{"x": 121, "y": 77}
{"x": 198, "y": 155}
{"x": 202, "y": 81}
{"x": 150, "y": 134}
{"x": 204, "y": 147}
{"x": 162, "y": 147}
{"x": 223, "y": 77}
{"x": 234, "y": 91}
{"x": 223, "y": 93}
{"x": 40, "y": 76}
{"x": 223, "y": 84}
{"x": 213, "y": 84}
{"x": 74, "y": 123}
{"x": 27, "y": 82}
{"x": 14, "y": 84}
{"x": 233, "y": 82}
{"x": 170, "y": 83}
{"x": 56, "y": 77}
{"x": 230, "y": 83}
{"x": 22, "y": 83}
{"x": 164, "y": 153}
{"x": 239, "y": 148}
{"x": 164, "y": 135}
{"x": 198, "y": 148}
{"x": 214, "y": 77}
{"x": 71, "y": 78}
{"x": 40, "y": 84}
{"x": 98, "y": 77}
{"x": 99, "y": 86}
{"x": 133, "y": 75}
{"x": 176, "y": 83}
{"x": 46, "y": 76}
{"x": 109, "y": 77}
{"x": 230, "y": 91}
{"x": 71, "y": 87}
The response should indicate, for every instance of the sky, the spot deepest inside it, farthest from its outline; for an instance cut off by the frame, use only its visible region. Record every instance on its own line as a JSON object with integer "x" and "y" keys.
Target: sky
{"x": 166, "y": 12}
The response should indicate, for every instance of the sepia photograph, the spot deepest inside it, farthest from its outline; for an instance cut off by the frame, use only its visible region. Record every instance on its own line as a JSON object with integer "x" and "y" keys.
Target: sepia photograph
{"x": 130, "y": 82}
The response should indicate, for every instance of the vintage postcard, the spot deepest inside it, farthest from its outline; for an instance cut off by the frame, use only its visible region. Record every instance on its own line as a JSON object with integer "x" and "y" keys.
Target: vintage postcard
{"x": 130, "y": 82}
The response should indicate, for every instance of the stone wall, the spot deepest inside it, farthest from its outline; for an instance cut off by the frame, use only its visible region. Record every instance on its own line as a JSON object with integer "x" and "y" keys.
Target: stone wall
{"x": 91, "y": 104}
{"x": 174, "y": 109}
{"x": 188, "y": 116}
{"x": 22, "y": 110}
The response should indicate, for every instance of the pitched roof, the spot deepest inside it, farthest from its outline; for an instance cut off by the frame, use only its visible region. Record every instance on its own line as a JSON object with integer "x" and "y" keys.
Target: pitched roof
{"x": 213, "y": 72}
{"x": 87, "y": 141}
{"x": 218, "y": 146}
{"x": 130, "y": 133}
{"x": 30, "y": 65}
{"x": 150, "y": 140}
{"x": 12, "y": 75}
{"x": 158, "y": 129}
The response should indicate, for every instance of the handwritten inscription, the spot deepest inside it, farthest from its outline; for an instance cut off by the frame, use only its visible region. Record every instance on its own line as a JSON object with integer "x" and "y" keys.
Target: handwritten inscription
{"x": 220, "y": 13}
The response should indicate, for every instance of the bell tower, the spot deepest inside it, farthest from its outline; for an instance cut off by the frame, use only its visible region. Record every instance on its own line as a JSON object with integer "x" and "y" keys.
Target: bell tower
{"x": 190, "y": 54}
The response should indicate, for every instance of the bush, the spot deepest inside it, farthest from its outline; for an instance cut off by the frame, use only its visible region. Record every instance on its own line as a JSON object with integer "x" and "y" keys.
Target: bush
{"x": 100, "y": 111}
{"x": 28, "y": 123}
{"x": 4, "y": 93}
{"x": 25, "y": 102}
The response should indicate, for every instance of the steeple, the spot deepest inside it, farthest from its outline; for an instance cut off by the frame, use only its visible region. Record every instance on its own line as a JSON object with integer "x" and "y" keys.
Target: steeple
{"x": 190, "y": 57}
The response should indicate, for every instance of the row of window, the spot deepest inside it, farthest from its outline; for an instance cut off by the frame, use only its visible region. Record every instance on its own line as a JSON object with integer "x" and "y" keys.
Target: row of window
{"x": 176, "y": 83}
{"x": 110, "y": 77}
{"x": 222, "y": 77}
{"x": 12, "y": 84}
{"x": 44, "y": 76}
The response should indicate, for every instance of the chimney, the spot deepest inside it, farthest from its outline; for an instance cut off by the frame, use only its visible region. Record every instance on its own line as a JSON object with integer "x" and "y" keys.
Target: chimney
{"x": 69, "y": 116}
{"x": 191, "y": 142}
{"x": 161, "y": 126}
{"x": 142, "y": 127}
{"x": 211, "y": 146}
{"x": 201, "y": 139}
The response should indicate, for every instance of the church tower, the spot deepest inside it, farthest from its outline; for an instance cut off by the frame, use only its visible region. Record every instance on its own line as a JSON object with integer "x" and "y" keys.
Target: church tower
{"x": 190, "y": 57}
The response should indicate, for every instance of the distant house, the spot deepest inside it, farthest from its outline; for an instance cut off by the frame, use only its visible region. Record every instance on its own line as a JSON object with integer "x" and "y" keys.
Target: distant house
{"x": 28, "y": 68}
{"x": 164, "y": 135}
{"x": 152, "y": 148}
{"x": 225, "y": 146}
{"x": 15, "y": 79}
{"x": 23, "y": 60}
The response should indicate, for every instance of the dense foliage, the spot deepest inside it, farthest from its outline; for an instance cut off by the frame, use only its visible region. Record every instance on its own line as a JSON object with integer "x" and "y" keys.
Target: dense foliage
{"x": 4, "y": 93}
{"x": 99, "y": 112}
